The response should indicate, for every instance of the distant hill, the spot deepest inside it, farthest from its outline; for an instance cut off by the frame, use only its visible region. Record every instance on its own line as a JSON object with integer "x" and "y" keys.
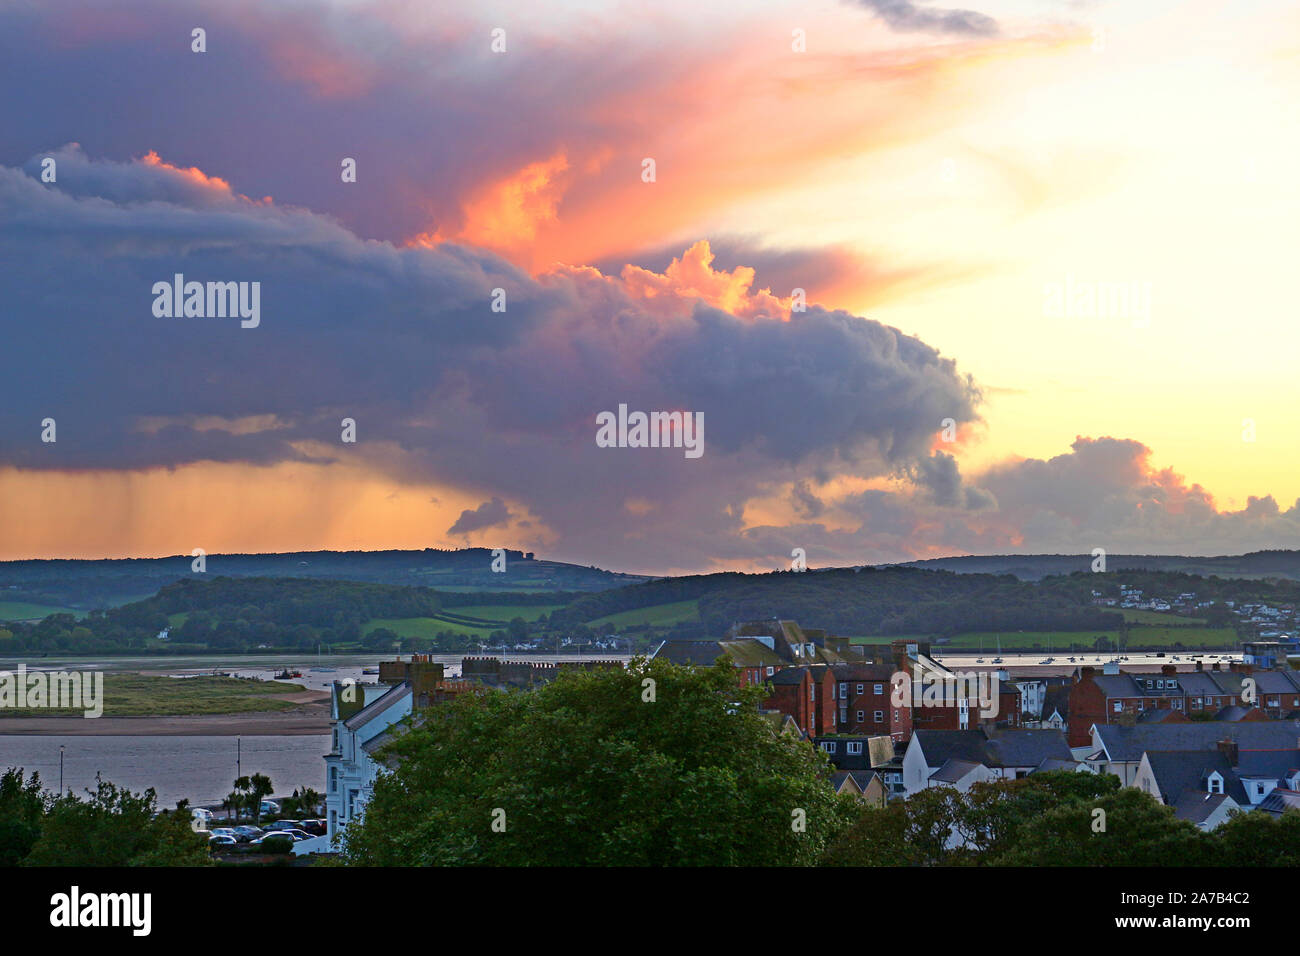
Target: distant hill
{"x": 1032, "y": 567}
{"x": 89, "y": 584}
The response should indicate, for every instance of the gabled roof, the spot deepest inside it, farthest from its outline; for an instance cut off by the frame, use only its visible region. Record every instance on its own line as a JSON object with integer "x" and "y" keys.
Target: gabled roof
{"x": 1198, "y": 807}
{"x": 378, "y": 706}
{"x": 993, "y": 748}
{"x": 1200, "y": 684}
{"x": 1055, "y": 763}
{"x": 955, "y": 770}
{"x": 1178, "y": 771}
{"x": 1027, "y": 748}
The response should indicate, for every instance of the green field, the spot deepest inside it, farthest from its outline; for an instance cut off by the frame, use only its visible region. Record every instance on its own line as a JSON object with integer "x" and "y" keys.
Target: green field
{"x": 139, "y": 695}
{"x": 657, "y": 615}
{"x": 424, "y": 627}
{"x": 505, "y": 612}
{"x": 22, "y": 611}
{"x": 1135, "y": 616}
{"x": 1187, "y": 636}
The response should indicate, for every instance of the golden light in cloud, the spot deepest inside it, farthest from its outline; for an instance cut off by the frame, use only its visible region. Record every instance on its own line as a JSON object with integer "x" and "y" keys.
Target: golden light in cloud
{"x": 233, "y": 508}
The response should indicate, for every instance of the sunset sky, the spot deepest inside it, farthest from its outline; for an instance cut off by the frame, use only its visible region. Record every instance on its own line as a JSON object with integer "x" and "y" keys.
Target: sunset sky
{"x": 934, "y": 177}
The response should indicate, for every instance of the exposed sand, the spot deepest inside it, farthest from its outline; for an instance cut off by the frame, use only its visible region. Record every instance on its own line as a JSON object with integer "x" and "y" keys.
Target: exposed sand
{"x": 313, "y": 717}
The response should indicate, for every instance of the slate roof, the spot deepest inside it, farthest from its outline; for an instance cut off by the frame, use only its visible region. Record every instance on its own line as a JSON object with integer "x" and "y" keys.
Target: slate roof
{"x": 1234, "y": 713}
{"x": 1200, "y": 684}
{"x": 1198, "y": 807}
{"x": 1027, "y": 748}
{"x": 862, "y": 673}
{"x": 1279, "y": 801}
{"x": 994, "y": 748}
{"x": 1177, "y": 771}
{"x": 954, "y": 770}
{"x": 1055, "y": 763}
{"x": 1128, "y": 743}
{"x": 377, "y": 706}
{"x": 862, "y": 778}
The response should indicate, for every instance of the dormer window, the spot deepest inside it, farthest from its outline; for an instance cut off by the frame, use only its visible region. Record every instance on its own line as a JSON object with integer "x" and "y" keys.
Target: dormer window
{"x": 1214, "y": 783}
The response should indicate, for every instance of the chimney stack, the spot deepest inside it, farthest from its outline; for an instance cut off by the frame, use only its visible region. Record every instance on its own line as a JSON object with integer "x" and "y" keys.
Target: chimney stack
{"x": 1229, "y": 749}
{"x": 1168, "y": 669}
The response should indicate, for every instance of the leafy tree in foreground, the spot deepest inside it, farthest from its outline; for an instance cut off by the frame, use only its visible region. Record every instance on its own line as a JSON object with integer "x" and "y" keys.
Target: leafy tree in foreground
{"x": 22, "y": 807}
{"x": 1258, "y": 839}
{"x": 1139, "y": 831}
{"x": 115, "y": 827}
{"x": 589, "y": 771}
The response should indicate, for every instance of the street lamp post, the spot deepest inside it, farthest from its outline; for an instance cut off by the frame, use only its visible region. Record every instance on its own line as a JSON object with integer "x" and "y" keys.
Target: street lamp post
{"x": 60, "y": 769}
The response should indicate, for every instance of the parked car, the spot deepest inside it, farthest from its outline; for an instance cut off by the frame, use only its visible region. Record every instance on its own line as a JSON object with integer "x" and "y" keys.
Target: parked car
{"x": 270, "y": 806}
{"x": 246, "y": 834}
{"x": 284, "y": 825}
{"x": 277, "y": 836}
{"x": 298, "y": 835}
{"x": 224, "y": 831}
{"x": 220, "y": 839}
{"x": 314, "y": 827}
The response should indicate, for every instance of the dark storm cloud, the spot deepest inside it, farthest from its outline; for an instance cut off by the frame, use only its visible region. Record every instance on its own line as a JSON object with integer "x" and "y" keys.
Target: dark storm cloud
{"x": 442, "y": 388}
{"x": 487, "y": 515}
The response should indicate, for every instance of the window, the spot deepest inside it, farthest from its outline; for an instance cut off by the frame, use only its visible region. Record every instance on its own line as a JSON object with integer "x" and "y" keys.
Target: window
{"x": 334, "y": 779}
{"x": 1196, "y": 703}
{"x": 1119, "y": 706}
{"x": 877, "y": 688}
{"x": 844, "y": 691}
{"x": 1215, "y": 783}
{"x": 844, "y": 715}
{"x": 828, "y": 746}
{"x": 1177, "y": 704}
{"x": 859, "y": 688}
{"x": 812, "y": 691}
{"x": 1160, "y": 684}
{"x": 878, "y": 716}
{"x": 861, "y": 715}
{"x": 855, "y": 747}
{"x": 770, "y": 670}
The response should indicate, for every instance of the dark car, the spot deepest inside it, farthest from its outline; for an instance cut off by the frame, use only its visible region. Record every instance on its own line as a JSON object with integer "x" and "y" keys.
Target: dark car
{"x": 283, "y": 825}
{"x": 314, "y": 827}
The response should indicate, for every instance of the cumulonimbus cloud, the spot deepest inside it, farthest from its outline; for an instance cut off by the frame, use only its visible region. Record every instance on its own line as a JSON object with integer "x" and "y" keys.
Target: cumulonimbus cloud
{"x": 405, "y": 342}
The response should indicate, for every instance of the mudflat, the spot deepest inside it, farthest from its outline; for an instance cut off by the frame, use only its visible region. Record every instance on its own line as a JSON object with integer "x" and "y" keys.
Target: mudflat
{"x": 312, "y": 716}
